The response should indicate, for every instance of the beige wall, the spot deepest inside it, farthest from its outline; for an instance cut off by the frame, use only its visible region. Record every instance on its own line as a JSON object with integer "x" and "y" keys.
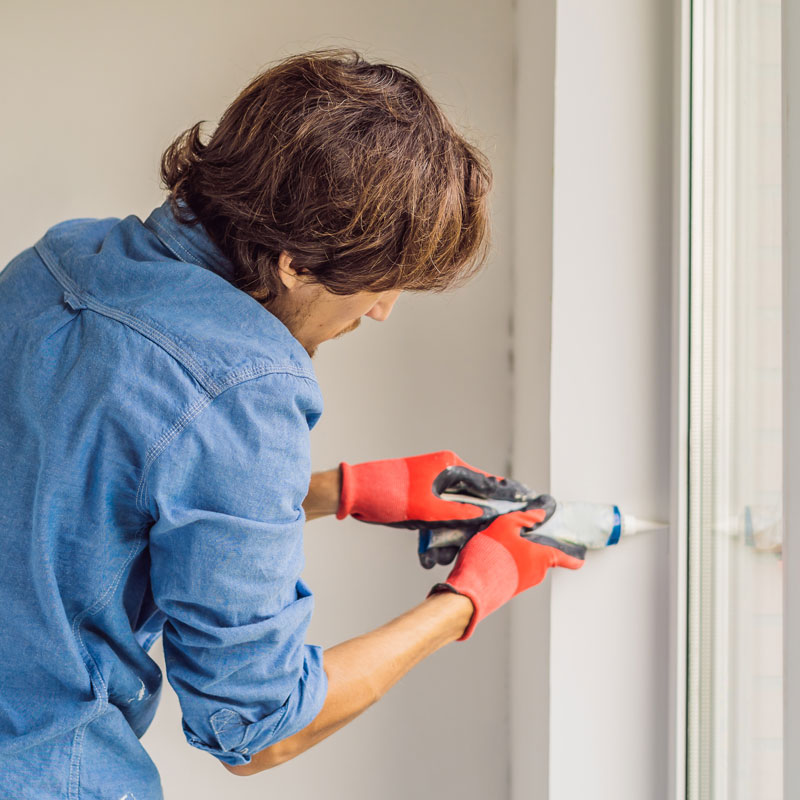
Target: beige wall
{"x": 92, "y": 92}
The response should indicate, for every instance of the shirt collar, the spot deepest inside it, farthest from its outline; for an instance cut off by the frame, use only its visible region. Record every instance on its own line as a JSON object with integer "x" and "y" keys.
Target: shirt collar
{"x": 189, "y": 243}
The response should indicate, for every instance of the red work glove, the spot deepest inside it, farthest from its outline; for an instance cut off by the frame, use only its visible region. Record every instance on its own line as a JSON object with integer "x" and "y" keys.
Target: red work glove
{"x": 412, "y": 492}
{"x": 498, "y": 563}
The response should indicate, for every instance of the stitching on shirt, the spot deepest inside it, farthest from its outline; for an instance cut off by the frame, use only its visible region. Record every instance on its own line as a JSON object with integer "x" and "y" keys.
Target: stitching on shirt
{"x": 279, "y": 714}
{"x": 241, "y": 377}
{"x": 249, "y": 373}
{"x": 212, "y": 388}
{"x": 50, "y": 734}
{"x": 161, "y": 229}
{"x": 148, "y": 329}
{"x": 160, "y": 444}
{"x": 100, "y": 603}
{"x": 195, "y": 257}
{"x": 74, "y": 784}
{"x": 227, "y": 721}
{"x": 145, "y": 328}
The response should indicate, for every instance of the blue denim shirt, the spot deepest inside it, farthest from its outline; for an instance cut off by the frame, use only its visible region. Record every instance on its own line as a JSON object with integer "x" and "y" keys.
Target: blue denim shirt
{"x": 154, "y": 455}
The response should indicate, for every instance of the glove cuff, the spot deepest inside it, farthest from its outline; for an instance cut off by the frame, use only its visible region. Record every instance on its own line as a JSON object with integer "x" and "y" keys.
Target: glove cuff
{"x": 438, "y": 588}
{"x": 487, "y": 574}
{"x": 375, "y": 491}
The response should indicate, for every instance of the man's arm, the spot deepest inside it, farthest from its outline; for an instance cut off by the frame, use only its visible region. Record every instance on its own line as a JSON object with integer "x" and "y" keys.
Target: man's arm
{"x": 323, "y": 494}
{"x": 360, "y": 671}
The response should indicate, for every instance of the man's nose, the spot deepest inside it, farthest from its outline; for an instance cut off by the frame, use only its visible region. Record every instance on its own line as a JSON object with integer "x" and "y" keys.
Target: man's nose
{"x": 381, "y": 310}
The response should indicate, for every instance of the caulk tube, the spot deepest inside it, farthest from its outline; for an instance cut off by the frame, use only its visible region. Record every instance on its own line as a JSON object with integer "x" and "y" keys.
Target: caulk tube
{"x": 592, "y": 525}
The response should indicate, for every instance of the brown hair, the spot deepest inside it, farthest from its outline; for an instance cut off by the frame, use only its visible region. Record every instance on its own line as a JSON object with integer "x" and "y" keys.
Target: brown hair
{"x": 348, "y": 166}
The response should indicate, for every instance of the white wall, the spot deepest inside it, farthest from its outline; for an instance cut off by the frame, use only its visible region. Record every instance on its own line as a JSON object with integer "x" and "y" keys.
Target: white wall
{"x": 610, "y": 392}
{"x": 604, "y": 630}
{"x": 92, "y": 93}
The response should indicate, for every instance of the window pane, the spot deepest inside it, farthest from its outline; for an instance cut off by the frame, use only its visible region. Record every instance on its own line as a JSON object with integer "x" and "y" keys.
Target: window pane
{"x": 735, "y": 624}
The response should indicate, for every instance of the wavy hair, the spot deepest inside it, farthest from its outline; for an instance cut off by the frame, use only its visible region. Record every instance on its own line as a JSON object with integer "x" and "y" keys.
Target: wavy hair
{"x": 348, "y": 166}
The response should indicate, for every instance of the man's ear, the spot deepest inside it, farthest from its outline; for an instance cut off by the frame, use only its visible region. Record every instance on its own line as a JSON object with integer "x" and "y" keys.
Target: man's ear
{"x": 289, "y": 278}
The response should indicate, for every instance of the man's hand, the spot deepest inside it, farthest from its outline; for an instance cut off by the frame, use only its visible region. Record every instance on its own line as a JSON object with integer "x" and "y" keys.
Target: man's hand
{"x": 413, "y": 493}
{"x": 498, "y": 563}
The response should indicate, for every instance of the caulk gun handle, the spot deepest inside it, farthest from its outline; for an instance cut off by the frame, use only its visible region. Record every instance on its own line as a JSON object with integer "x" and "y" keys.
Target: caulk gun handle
{"x": 441, "y": 546}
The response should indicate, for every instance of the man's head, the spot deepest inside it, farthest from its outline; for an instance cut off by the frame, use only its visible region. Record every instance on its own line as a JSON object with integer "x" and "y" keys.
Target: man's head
{"x": 331, "y": 182}
{"x": 315, "y": 315}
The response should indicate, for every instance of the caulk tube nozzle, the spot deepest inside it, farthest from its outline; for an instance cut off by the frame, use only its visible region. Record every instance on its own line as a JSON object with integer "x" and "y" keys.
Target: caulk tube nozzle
{"x": 632, "y": 525}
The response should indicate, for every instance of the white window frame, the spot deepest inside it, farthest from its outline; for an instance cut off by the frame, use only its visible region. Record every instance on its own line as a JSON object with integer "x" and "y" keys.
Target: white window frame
{"x": 678, "y": 672}
{"x": 691, "y": 79}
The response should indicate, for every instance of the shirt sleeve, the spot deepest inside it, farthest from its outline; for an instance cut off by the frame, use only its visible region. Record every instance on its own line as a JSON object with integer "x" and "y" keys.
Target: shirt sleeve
{"x": 226, "y": 553}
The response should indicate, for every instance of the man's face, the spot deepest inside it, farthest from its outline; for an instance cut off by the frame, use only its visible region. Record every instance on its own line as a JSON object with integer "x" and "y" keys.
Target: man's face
{"x": 315, "y": 315}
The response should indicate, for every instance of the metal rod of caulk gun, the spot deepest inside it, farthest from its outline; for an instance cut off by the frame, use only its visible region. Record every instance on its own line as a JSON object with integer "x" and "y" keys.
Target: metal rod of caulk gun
{"x": 447, "y": 537}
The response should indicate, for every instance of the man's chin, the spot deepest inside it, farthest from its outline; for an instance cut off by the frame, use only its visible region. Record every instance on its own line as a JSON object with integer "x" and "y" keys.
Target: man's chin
{"x": 349, "y": 328}
{"x": 312, "y": 349}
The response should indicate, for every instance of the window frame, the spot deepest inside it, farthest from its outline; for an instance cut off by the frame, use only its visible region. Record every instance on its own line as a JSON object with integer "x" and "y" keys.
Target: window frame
{"x": 678, "y": 579}
{"x": 689, "y": 80}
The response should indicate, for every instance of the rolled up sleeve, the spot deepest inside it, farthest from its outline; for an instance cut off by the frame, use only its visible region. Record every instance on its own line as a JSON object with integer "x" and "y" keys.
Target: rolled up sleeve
{"x": 226, "y": 553}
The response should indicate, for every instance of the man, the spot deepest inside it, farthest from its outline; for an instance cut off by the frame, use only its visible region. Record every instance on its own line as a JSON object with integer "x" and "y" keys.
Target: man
{"x": 158, "y": 393}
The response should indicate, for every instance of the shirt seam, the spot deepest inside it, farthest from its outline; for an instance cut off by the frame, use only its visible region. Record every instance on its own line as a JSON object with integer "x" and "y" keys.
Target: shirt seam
{"x": 213, "y": 387}
{"x": 160, "y": 229}
{"x": 146, "y": 329}
{"x": 188, "y": 416}
{"x": 97, "y": 605}
{"x": 74, "y": 782}
{"x": 193, "y": 253}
